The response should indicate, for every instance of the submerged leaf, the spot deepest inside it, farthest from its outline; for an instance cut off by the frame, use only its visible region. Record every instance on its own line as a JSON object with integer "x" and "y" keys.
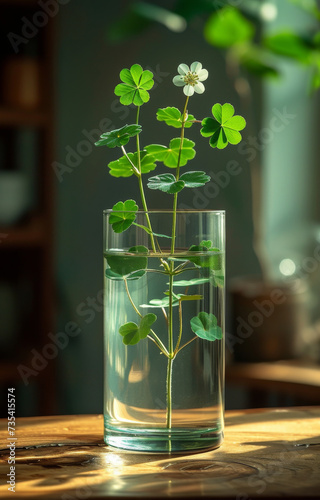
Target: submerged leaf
{"x": 217, "y": 278}
{"x": 206, "y": 258}
{"x": 160, "y": 303}
{"x": 205, "y": 326}
{"x": 133, "y": 333}
{"x": 128, "y": 265}
{"x": 194, "y": 281}
{"x": 184, "y": 297}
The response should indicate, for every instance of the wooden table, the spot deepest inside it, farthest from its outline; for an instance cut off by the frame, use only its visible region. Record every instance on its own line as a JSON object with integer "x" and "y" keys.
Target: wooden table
{"x": 266, "y": 454}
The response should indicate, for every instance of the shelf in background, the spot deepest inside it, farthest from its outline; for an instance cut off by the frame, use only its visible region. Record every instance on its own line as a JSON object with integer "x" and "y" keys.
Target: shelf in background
{"x": 9, "y": 367}
{"x": 15, "y": 118}
{"x": 30, "y": 234}
{"x": 26, "y": 248}
{"x": 9, "y": 372}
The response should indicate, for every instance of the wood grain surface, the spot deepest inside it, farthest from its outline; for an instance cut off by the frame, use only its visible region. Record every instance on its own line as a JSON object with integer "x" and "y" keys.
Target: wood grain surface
{"x": 267, "y": 453}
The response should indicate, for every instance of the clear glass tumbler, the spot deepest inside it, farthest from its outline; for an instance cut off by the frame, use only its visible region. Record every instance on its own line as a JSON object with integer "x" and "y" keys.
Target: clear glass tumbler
{"x": 164, "y": 331}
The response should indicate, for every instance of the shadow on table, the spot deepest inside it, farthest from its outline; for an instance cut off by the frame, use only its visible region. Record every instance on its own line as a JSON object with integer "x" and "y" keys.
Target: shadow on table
{"x": 267, "y": 466}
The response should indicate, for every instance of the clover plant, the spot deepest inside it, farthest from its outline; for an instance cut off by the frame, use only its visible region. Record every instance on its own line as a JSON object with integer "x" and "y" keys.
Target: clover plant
{"x": 222, "y": 127}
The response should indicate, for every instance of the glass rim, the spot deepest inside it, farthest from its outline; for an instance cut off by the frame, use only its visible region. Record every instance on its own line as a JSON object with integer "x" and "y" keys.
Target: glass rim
{"x": 108, "y": 211}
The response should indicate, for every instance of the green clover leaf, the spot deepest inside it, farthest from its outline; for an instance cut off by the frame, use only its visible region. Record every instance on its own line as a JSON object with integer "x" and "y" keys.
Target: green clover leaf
{"x": 176, "y": 298}
{"x": 173, "y": 117}
{"x": 128, "y": 265}
{"x": 135, "y": 275}
{"x": 160, "y": 303}
{"x": 123, "y": 167}
{"x": 205, "y": 326}
{"x": 194, "y": 281}
{"x": 119, "y": 137}
{"x": 209, "y": 245}
{"x": 194, "y": 179}
{"x": 123, "y": 215}
{"x": 217, "y": 278}
{"x": 136, "y": 83}
{"x": 184, "y": 297}
{"x": 133, "y": 333}
{"x": 316, "y": 38}
{"x": 228, "y": 27}
{"x": 168, "y": 183}
{"x": 289, "y": 44}
{"x": 169, "y": 156}
{"x": 256, "y": 60}
{"x": 224, "y": 127}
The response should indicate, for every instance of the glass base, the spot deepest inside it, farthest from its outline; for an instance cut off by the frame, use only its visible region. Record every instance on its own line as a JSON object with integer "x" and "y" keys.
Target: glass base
{"x": 162, "y": 440}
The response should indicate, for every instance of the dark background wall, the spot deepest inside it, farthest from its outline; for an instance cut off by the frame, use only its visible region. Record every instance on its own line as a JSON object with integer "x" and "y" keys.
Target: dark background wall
{"x": 88, "y": 68}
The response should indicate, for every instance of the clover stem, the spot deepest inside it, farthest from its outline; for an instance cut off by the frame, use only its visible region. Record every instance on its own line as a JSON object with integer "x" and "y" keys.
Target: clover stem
{"x": 187, "y": 343}
{"x": 138, "y": 141}
{"x": 130, "y": 298}
{"x": 165, "y": 315}
{"x": 175, "y": 196}
{"x": 169, "y": 393}
{"x": 143, "y": 198}
{"x": 180, "y": 328}
{"x": 156, "y": 343}
{"x": 170, "y": 315}
{"x": 134, "y": 168}
{"x": 159, "y": 343}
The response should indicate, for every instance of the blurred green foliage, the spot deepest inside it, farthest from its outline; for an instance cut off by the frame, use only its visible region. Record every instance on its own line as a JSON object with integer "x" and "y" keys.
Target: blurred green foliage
{"x": 235, "y": 30}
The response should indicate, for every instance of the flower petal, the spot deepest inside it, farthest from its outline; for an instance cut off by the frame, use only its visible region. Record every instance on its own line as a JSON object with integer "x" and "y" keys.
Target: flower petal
{"x": 203, "y": 75}
{"x": 199, "y": 88}
{"x": 188, "y": 90}
{"x": 179, "y": 81}
{"x": 183, "y": 69}
{"x": 195, "y": 67}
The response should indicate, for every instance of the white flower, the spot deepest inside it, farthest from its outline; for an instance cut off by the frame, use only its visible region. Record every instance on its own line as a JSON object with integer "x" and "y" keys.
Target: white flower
{"x": 191, "y": 78}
